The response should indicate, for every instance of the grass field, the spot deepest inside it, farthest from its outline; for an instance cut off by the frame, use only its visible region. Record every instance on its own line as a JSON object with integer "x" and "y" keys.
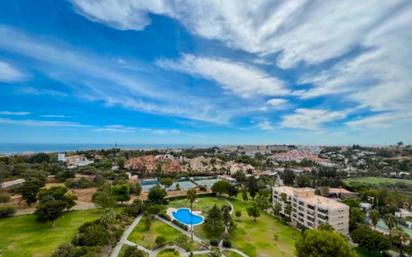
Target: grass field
{"x": 256, "y": 238}
{"x": 168, "y": 253}
{"x": 146, "y": 238}
{"x": 231, "y": 254}
{"x": 376, "y": 181}
{"x": 202, "y": 203}
{"x": 22, "y": 236}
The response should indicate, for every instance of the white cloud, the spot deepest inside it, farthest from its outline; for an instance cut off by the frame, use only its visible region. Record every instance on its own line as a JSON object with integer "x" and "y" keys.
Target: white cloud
{"x": 128, "y": 129}
{"x": 96, "y": 78}
{"x": 14, "y": 113}
{"x": 9, "y": 73}
{"x": 310, "y": 118}
{"x": 239, "y": 78}
{"x": 261, "y": 26}
{"x": 265, "y": 125}
{"x": 275, "y": 102}
{"x": 42, "y": 123}
{"x": 124, "y": 15}
{"x": 105, "y": 128}
{"x": 383, "y": 120}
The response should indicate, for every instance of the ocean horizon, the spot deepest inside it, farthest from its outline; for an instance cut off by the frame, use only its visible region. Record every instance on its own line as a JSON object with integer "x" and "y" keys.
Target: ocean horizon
{"x": 21, "y": 148}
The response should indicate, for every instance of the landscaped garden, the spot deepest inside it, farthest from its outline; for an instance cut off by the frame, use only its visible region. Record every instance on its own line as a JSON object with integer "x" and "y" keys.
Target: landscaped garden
{"x": 255, "y": 238}
{"x": 147, "y": 237}
{"x": 23, "y": 236}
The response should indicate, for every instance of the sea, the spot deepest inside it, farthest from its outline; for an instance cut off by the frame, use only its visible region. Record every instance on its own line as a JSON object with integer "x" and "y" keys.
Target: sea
{"x": 17, "y": 148}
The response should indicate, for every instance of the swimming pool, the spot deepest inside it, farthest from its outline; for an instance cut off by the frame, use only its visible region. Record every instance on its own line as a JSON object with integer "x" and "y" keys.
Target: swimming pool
{"x": 184, "y": 216}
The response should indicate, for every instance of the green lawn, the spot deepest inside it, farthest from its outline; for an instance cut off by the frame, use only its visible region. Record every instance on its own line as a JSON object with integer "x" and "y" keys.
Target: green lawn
{"x": 146, "y": 238}
{"x": 168, "y": 253}
{"x": 376, "y": 181}
{"x": 256, "y": 238}
{"x": 202, "y": 203}
{"x": 22, "y": 236}
{"x": 231, "y": 254}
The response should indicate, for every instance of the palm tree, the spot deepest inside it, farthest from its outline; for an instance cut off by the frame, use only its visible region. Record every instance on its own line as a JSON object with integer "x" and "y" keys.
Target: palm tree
{"x": 374, "y": 215}
{"x": 191, "y": 197}
{"x": 390, "y": 221}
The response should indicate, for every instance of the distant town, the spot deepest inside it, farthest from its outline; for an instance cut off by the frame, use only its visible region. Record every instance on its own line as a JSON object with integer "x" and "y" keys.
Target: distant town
{"x": 359, "y": 192}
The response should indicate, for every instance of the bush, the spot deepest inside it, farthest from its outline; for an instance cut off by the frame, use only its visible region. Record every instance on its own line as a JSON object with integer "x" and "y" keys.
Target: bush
{"x": 182, "y": 226}
{"x": 4, "y": 198}
{"x": 214, "y": 242}
{"x": 78, "y": 183}
{"x": 183, "y": 241}
{"x": 160, "y": 240}
{"x": 135, "y": 208}
{"x": 227, "y": 243}
{"x": 164, "y": 216}
{"x": 7, "y": 211}
{"x": 134, "y": 252}
{"x": 68, "y": 250}
{"x": 238, "y": 214}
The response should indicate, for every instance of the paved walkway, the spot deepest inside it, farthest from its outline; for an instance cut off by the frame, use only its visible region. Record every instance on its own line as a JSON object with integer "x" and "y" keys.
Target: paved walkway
{"x": 123, "y": 240}
{"x": 185, "y": 232}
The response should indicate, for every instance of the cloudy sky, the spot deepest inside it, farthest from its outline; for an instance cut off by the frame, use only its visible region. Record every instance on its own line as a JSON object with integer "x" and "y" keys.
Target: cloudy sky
{"x": 206, "y": 72}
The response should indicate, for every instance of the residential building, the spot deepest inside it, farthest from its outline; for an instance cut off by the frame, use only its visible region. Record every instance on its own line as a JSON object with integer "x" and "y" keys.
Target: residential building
{"x": 309, "y": 210}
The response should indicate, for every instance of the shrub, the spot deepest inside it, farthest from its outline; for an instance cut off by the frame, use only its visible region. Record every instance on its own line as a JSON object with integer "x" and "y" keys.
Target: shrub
{"x": 238, "y": 214}
{"x": 78, "y": 183}
{"x": 182, "y": 226}
{"x": 7, "y": 211}
{"x": 68, "y": 250}
{"x": 4, "y": 198}
{"x": 135, "y": 208}
{"x": 165, "y": 216}
{"x": 134, "y": 252}
{"x": 214, "y": 242}
{"x": 183, "y": 242}
{"x": 160, "y": 240}
{"x": 227, "y": 243}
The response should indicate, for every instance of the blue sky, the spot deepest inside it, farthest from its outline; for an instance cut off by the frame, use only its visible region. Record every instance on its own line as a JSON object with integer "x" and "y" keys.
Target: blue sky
{"x": 205, "y": 72}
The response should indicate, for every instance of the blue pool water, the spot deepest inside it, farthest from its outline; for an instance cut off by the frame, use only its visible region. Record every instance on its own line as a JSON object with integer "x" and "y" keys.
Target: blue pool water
{"x": 183, "y": 215}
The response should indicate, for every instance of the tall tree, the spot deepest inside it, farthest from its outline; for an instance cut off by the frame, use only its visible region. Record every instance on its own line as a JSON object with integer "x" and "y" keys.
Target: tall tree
{"x": 121, "y": 192}
{"x": 156, "y": 195}
{"x": 214, "y": 222}
{"x": 29, "y": 190}
{"x": 252, "y": 186}
{"x": 253, "y": 211}
{"x": 400, "y": 240}
{"x": 390, "y": 221}
{"x": 369, "y": 239}
{"x": 191, "y": 197}
{"x": 288, "y": 177}
{"x": 323, "y": 243}
{"x": 220, "y": 187}
{"x": 52, "y": 203}
{"x": 227, "y": 218}
{"x": 374, "y": 216}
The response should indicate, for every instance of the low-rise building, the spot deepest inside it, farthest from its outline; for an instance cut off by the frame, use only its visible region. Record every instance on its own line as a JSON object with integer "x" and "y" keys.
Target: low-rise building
{"x": 308, "y": 210}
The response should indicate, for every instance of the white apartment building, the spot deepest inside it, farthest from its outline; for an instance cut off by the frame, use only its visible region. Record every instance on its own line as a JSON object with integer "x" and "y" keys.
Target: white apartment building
{"x": 310, "y": 210}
